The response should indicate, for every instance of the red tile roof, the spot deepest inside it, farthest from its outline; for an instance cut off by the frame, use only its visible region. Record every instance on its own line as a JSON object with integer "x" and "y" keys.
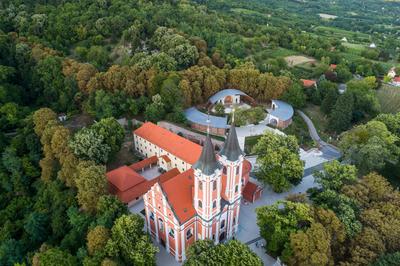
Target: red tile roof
{"x": 140, "y": 189}
{"x": 166, "y": 158}
{"x": 124, "y": 178}
{"x": 396, "y": 79}
{"x": 144, "y": 163}
{"x": 181, "y": 203}
{"x": 178, "y": 146}
{"x": 249, "y": 190}
{"x": 333, "y": 66}
{"x": 308, "y": 83}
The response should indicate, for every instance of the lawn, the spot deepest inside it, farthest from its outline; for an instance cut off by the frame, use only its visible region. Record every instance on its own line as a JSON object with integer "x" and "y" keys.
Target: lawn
{"x": 389, "y": 98}
{"x": 249, "y": 143}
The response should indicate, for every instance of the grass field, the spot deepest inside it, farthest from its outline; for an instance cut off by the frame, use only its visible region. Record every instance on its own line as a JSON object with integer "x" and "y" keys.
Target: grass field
{"x": 389, "y": 98}
{"x": 295, "y": 60}
{"x": 339, "y": 33}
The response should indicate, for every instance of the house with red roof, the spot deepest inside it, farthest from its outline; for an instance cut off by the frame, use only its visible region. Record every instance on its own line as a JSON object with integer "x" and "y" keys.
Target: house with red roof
{"x": 308, "y": 83}
{"x": 396, "y": 81}
{"x": 199, "y": 194}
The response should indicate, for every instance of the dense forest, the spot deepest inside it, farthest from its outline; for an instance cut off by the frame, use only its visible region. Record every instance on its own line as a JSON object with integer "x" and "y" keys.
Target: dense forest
{"x": 151, "y": 59}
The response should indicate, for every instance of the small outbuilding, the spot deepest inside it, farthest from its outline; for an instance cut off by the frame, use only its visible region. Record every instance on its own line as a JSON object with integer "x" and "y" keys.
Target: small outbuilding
{"x": 198, "y": 121}
{"x": 252, "y": 192}
{"x": 229, "y": 97}
{"x": 280, "y": 114}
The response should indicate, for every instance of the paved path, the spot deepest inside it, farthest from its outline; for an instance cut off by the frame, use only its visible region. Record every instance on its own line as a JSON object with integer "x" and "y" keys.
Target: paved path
{"x": 329, "y": 151}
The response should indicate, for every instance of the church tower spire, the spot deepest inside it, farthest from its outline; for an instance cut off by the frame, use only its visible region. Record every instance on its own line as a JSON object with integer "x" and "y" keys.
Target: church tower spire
{"x": 207, "y": 184}
{"x": 231, "y": 149}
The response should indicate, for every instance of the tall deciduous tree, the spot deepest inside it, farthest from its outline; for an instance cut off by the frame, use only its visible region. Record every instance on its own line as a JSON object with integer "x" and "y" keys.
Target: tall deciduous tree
{"x": 279, "y": 161}
{"x": 129, "y": 242}
{"x": 91, "y": 184}
{"x": 40, "y": 119}
{"x": 342, "y": 113}
{"x": 204, "y": 252}
{"x": 370, "y": 146}
{"x": 278, "y": 221}
{"x": 335, "y": 175}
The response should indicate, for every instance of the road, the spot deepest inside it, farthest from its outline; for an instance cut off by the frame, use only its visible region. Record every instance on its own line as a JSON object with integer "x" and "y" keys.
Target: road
{"x": 330, "y": 152}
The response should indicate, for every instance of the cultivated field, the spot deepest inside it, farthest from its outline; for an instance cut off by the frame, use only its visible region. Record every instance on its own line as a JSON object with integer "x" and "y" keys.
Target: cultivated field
{"x": 295, "y": 60}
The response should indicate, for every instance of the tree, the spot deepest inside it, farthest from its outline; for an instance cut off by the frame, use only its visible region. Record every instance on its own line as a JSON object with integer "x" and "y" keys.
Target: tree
{"x": 109, "y": 207}
{"x": 310, "y": 248}
{"x": 91, "y": 184}
{"x": 40, "y": 119}
{"x": 204, "y": 252}
{"x": 342, "y": 113}
{"x": 295, "y": 96}
{"x": 343, "y": 73}
{"x": 365, "y": 99}
{"x": 129, "y": 242}
{"x": 155, "y": 111}
{"x": 329, "y": 100}
{"x": 278, "y": 221}
{"x": 55, "y": 256}
{"x": 370, "y": 146}
{"x": 392, "y": 122}
{"x": 87, "y": 145}
{"x": 279, "y": 161}
{"x": 391, "y": 259}
{"x": 346, "y": 209}
{"x": 36, "y": 226}
{"x": 335, "y": 175}
{"x": 112, "y": 132}
{"x": 97, "y": 239}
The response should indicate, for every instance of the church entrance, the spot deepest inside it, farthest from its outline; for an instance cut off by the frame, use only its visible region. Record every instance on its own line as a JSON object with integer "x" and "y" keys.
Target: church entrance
{"x": 228, "y": 100}
{"x": 222, "y": 237}
{"x": 162, "y": 242}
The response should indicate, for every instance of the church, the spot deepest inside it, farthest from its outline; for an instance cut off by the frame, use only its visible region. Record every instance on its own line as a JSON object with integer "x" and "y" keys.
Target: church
{"x": 198, "y": 194}
{"x": 201, "y": 202}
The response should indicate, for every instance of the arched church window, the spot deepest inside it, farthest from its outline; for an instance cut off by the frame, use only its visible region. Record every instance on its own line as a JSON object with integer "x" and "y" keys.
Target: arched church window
{"x": 222, "y": 224}
{"x": 214, "y": 185}
{"x": 200, "y": 204}
{"x": 161, "y": 224}
{"x": 214, "y": 204}
{"x": 224, "y": 170}
{"x": 189, "y": 233}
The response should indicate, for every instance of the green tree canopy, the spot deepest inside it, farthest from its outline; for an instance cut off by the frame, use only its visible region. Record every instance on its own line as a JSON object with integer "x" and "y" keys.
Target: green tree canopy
{"x": 204, "y": 252}
{"x": 129, "y": 242}
{"x": 370, "y": 146}
{"x": 279, "y": 161}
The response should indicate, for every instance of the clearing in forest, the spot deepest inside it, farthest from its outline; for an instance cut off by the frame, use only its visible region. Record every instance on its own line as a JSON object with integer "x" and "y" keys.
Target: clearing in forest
{"x": 295, "y": 60}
